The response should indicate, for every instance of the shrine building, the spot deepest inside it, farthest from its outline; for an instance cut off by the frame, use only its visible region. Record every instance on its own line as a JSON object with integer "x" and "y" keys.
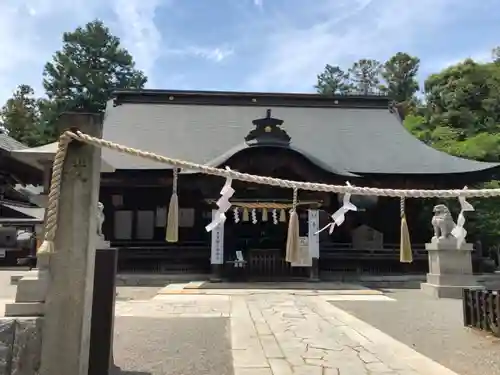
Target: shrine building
{"x": 302, "y": 137}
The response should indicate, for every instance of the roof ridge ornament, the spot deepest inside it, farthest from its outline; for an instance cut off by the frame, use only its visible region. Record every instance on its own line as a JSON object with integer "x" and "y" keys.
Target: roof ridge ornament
{"x": 267, "y": 130}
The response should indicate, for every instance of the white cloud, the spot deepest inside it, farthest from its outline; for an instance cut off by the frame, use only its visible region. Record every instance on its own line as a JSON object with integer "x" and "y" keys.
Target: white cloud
{"x": 296, "y": 53}
{"x": 216, "y": 54}
{"x": 139, "y": 31}
{"x": 213, "y": 54}
{"x": 440, "y": 64}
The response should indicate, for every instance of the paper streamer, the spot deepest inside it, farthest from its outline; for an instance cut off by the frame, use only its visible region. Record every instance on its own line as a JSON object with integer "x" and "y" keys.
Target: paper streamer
{"x": 275, "y": 217}
{"x": 459, "y": 231}
{"x": 236, "y": 212}
{"x": 223, "y": 205}
{"x": 254, "y": 216}
{"x": 338, "y": 216}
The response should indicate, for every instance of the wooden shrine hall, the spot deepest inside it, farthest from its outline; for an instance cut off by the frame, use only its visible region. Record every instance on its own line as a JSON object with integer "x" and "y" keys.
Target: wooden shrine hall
{"x": 303, "y": 137}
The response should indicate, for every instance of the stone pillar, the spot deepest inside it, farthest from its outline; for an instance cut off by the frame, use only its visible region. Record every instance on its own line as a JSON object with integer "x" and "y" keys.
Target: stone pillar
{"x": 217, "y": 251}
{"x": 450, "y": 269}
{"x": 68, "y": 306}
{"x": 313, "y": 222}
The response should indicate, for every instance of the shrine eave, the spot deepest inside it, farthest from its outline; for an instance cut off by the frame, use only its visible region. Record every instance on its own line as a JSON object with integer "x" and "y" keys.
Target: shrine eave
{"x": 222, "y": 159}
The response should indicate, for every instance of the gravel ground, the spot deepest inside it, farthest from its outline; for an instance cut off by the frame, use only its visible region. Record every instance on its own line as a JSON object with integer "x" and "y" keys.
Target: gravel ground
{"x": 432, "y": 327}
{"x": 173, "y": 346}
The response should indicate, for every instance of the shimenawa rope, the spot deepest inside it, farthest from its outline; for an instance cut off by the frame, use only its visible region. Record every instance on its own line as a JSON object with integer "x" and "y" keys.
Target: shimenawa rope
{"x": 66, "y": 137}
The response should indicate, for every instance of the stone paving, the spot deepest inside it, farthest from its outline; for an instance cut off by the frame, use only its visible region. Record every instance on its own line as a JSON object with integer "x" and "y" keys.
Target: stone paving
{"x": 285, "y": 332}
{"x": 293, "y": 333}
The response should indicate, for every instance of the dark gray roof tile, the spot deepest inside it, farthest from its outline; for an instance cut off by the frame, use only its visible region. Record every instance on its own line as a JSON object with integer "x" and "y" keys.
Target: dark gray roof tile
{"x": 8, "y": 143}
{"x": 358, "y": 140}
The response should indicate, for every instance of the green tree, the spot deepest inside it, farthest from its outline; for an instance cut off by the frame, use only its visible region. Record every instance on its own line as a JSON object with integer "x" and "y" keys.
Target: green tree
{"x": 400, "y": 75}
{"x": 364, "y": 76}
{"x": 466, "y": 97}
{"x": 333, "y": 81}
{"x": 20, "y": 117}
{"x": 462, "y": 117}
{"x": 88, "y": 68}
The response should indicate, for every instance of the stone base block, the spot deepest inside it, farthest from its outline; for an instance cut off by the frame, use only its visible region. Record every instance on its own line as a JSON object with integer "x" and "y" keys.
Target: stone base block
{"x": 445, "y": 291}
{"x": 33, "y": 286}
{"x": 452, "y": 280}
{"x": 25, "y": 309}
{"x": 20, "y": 346}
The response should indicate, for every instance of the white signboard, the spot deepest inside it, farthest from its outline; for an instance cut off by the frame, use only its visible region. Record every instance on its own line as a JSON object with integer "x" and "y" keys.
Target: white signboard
{"x": 217, "y": 250}
{"x": 305, "y": 259}
{"x": 313, "y": 219}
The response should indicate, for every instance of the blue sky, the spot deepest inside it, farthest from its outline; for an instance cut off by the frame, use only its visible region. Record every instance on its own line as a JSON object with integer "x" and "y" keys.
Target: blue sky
{"x": 254, "y": 45}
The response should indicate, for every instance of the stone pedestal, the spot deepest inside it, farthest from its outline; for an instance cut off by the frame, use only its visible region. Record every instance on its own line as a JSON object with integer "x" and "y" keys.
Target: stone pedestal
{"x": 102, "y": 244}
{"x": 31, "y": 291}
{"x": 450, "y": 269}
{"x": 314, "y": 271}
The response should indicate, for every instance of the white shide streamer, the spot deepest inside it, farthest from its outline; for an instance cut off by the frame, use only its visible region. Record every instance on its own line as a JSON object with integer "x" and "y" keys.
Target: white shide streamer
{"x": 275, "y": 216}
{"x": 338, "y": 216}
{"x": 236, "y": 213}
{"x": 223, "y": 205}
{"x": 254, "y": 216}
{"x": 459, "y": 232}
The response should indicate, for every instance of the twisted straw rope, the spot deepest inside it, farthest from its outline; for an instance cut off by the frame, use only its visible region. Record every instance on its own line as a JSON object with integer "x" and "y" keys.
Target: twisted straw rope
{"x": 54, "y": 194}
{"x": 262, "y": 180}
{"x": 66, "y": 137}
{"x": 268, "y": 205}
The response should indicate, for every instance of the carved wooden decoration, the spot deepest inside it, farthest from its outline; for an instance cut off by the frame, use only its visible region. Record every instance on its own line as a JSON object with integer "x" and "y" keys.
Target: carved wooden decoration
{"x": 268, "y": 130}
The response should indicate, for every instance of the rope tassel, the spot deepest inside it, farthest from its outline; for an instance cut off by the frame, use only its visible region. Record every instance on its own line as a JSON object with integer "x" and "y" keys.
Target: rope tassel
{"x": 282, "y": 216}
{"x": 405, "y": 251}
{"x": 246, "y": 216}
{"x": 293, "y": 240}
{"x": 264, "y": 214}
{"x": 172, "y": 230}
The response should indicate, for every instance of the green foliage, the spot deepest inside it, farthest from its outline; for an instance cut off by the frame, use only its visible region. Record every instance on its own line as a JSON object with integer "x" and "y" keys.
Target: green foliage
{"x": 397, "y": 77}
{"x": 459, "y": 114}
{"x": 88, "y": 68}
{"x": 20, "y": 117}
{"x": 484, "y": 223}
{"x": 333, "y": 81}
{"x": 364, "y": 76}
{"x": 400, "y": 75}
{"x": 82, "y": 75}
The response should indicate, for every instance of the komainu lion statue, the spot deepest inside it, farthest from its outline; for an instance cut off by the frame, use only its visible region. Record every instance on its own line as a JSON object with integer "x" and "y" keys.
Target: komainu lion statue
{"x": 442, "y": 222}
{"x": 100, "y": 218}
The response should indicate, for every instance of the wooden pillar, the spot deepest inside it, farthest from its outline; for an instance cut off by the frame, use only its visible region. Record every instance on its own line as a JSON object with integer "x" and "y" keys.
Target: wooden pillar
{"x": 217, "y": 251}
{"x": 313, "y": 227}
{"x": 68, "y": 307}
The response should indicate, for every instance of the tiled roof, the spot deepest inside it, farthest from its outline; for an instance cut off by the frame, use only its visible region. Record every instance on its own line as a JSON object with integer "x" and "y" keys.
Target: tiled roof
{"x": 8, "y": 143}
{"x": 354, "y": 139}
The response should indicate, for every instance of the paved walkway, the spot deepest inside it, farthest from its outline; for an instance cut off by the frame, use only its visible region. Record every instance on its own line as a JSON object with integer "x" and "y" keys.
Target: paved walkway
{"x": 276, "y": 332}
